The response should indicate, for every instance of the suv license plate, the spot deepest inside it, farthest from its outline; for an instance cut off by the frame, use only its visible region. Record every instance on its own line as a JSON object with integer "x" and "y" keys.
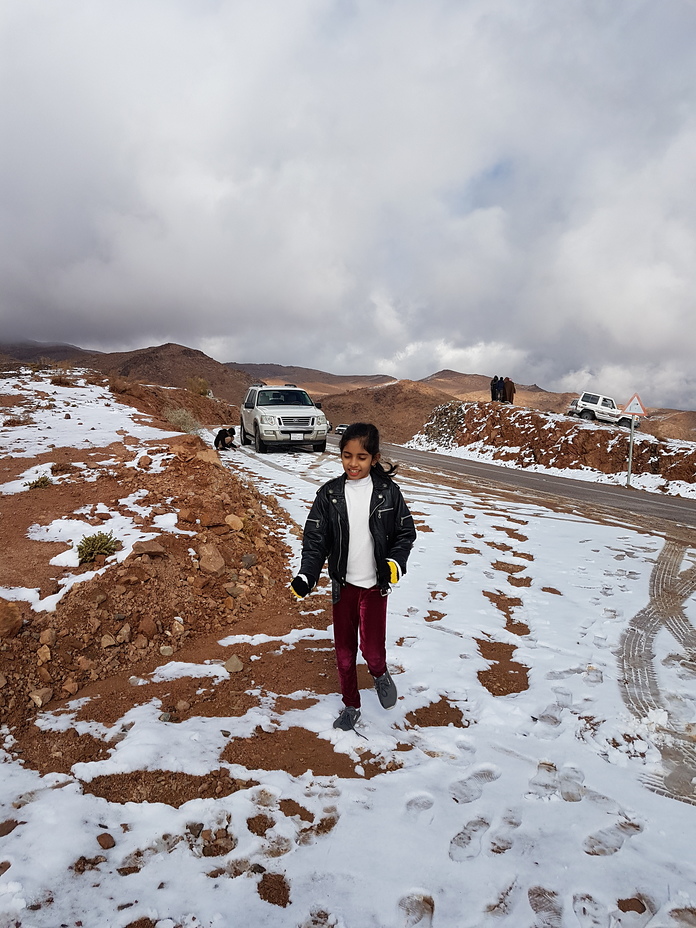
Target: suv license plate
{"x": 296, "y": 436}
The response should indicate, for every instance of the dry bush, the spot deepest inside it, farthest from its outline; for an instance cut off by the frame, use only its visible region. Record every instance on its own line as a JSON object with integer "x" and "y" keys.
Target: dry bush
{"x": 182, "y": 420}
{"x": 198, "y": 385}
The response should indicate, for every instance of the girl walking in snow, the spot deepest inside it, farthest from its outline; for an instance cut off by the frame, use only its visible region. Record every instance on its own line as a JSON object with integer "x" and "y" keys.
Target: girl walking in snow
{"x": 361, "y": 524}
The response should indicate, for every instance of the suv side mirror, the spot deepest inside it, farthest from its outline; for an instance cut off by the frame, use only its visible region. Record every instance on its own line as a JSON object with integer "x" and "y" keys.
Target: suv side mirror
{"x": 318, "y": 405}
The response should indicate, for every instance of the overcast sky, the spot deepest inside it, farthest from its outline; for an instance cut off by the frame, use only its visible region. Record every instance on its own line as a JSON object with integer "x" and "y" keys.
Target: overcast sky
{"x": 394, "y": 186}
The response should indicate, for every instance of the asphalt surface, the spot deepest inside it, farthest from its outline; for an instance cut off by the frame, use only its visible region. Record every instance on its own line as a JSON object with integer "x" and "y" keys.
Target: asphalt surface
{"x": 651, "y": 507}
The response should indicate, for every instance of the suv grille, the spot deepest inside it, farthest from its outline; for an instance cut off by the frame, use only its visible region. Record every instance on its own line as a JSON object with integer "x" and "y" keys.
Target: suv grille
{"x": 294, "y": 422}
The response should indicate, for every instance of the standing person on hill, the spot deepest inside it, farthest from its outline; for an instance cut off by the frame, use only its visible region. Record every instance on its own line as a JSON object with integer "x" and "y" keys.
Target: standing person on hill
{"x": 360, "y": 522}
{"x": 510, "y": 390}
{"x": 494, "y": 389}
{"x": 500, "y": 390}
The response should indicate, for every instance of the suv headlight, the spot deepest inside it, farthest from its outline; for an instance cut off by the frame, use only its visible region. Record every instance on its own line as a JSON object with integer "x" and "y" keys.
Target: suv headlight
{"x": 268, "y": 420}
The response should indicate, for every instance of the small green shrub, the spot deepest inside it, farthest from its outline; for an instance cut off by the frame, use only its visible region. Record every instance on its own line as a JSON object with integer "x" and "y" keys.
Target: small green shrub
{"x": 40, "y": 483}
{"x": 100, "y": 543}
{"x": 182, "y": 420}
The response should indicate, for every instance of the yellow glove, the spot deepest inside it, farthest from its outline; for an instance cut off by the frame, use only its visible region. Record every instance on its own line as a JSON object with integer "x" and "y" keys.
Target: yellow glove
{"x": 299, "y": 587}
{"x": 394, "y": 571}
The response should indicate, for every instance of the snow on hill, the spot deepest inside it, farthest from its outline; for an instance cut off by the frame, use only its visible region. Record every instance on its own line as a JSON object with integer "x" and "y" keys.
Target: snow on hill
{"x": 515, "y": 436}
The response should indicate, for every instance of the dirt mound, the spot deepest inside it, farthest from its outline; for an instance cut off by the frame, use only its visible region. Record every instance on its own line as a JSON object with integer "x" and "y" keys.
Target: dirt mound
{"x": 398, "y": 409}
{"x": 525, "y": 437}
{"x": 158, "y": 403}
{"x": 671, "y": 423}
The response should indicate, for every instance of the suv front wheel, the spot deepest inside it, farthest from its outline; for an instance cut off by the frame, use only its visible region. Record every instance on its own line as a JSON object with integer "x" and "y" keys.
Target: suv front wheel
{"x": 243, "y": 437}
{"x": 587, "y": 414}
{"x": 260, "y": 446}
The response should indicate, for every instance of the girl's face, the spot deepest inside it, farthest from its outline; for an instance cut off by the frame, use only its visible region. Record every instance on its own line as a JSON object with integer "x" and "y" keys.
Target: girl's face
{"x": 357, "y": 462}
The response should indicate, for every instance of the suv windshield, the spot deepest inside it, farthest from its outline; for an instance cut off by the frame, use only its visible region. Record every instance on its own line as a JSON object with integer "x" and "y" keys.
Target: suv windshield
{"x": 284, "y": 398}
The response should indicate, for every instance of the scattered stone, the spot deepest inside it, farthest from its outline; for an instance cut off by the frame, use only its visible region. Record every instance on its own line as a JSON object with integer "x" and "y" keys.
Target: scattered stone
{"x": 234, "y": 590}
{"x": 85, "y": 663}
{"x": 177, "y": 628}
{"x": 71, "y": 687}
{"x": 48, "y": 636}
{"x": 42, "y": 696}
{"x": 211, "y": 561}
{"x": 3, "y": 680}
{"x": 234, "y": 664}
{"x": 124, "y": 635}
{"x": 182, "y": 706}
{"x": 234, "y": 522}
{"x": 106, "y": 841}
{"x": 166, "y": 650}
{"x": 151, "y": 548}
{"x": 147, "y": 627}
{"x": 249, "y": 560}
{"x": 165, "y": 717}
{"x": 44, "y": 654}
{"x": 10, "y": 619}
{"x": 186, "y": 515}
{"x": 108, "y": 641}
{"x": 144, "y": 461}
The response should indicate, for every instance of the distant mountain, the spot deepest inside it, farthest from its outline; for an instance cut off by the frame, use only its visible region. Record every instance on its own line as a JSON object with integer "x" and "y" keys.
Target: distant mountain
{"x": 317, "y": 383}
{"x": 34, "y": 351}
{"x": 168, "y": 365}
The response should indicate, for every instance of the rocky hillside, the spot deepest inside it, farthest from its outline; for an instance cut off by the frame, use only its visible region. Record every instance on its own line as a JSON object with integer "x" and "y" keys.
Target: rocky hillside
{"x": 168, "y": 365}
{"x": 397, "y": 409}
{"x": 525, "y": 437}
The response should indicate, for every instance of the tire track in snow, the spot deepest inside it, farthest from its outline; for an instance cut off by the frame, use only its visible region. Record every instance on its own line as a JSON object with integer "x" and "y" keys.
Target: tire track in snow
{"x": 638, "y": 681}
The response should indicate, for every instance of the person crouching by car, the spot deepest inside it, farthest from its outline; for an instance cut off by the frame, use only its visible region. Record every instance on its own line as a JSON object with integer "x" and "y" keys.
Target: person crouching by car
{"x": 225, "y": 439}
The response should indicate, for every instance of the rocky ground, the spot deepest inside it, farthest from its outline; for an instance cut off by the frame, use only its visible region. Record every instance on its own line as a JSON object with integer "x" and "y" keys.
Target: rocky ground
{"x": 173, "y": 598}
{"x": 525, "y": 437}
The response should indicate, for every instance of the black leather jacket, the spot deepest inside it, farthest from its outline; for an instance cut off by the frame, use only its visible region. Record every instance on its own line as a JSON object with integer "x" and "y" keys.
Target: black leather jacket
{"x": 326, "y": 532}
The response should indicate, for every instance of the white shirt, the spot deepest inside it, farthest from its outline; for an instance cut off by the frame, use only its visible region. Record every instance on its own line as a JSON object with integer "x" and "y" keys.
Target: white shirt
{"x": 361, "y": 570}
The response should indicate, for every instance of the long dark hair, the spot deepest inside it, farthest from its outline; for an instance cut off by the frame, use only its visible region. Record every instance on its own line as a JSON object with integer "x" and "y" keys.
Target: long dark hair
{"x": 368, "y": 436}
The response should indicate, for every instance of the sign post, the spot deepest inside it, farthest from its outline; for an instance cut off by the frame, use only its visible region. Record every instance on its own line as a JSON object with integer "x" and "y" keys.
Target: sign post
{"x": 634, "y": 408}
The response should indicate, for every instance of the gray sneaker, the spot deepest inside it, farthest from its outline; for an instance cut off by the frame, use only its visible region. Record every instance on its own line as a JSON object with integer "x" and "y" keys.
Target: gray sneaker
{"x": 347, "y": 719}
{"x": 386, "y": 690}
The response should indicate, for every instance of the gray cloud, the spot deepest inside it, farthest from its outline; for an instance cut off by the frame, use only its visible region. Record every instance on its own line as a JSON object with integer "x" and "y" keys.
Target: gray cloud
{"x": 501, "y": 186}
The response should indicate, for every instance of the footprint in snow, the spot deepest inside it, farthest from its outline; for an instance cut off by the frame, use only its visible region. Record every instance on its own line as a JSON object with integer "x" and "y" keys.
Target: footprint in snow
{"x": 466, "y": 844}
{"x": 503, "y": 839}
{"x": 471, "y": 787}
{"x": 610, "y": 840}
{"x": 589, "y": 912}
{"x": 544, "y": 784}
{"x": 417, "y": 909}
{"x": 419, "y": 804}
{"x": 547, "y": 907}
{"x": 571, "y": 783}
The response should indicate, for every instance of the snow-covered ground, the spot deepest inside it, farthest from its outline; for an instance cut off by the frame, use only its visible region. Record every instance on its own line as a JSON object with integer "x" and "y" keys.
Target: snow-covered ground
{"x": 571, "y": 803}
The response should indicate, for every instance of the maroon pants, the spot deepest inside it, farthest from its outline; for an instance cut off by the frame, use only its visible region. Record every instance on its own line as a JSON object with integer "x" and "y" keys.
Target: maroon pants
{"x": 359, "y": 613}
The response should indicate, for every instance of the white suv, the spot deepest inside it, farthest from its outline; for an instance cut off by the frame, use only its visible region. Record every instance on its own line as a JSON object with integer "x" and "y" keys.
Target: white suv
{"x": 596, "y": 406}
{"x": 281, "y": 415}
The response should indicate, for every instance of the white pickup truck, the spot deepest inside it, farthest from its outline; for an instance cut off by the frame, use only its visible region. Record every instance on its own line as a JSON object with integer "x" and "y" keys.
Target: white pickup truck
{"x": 602, "y": 408}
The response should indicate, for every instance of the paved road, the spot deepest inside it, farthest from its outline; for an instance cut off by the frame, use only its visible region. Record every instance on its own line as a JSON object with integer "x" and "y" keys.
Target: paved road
{"x": 650, "y": 506}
